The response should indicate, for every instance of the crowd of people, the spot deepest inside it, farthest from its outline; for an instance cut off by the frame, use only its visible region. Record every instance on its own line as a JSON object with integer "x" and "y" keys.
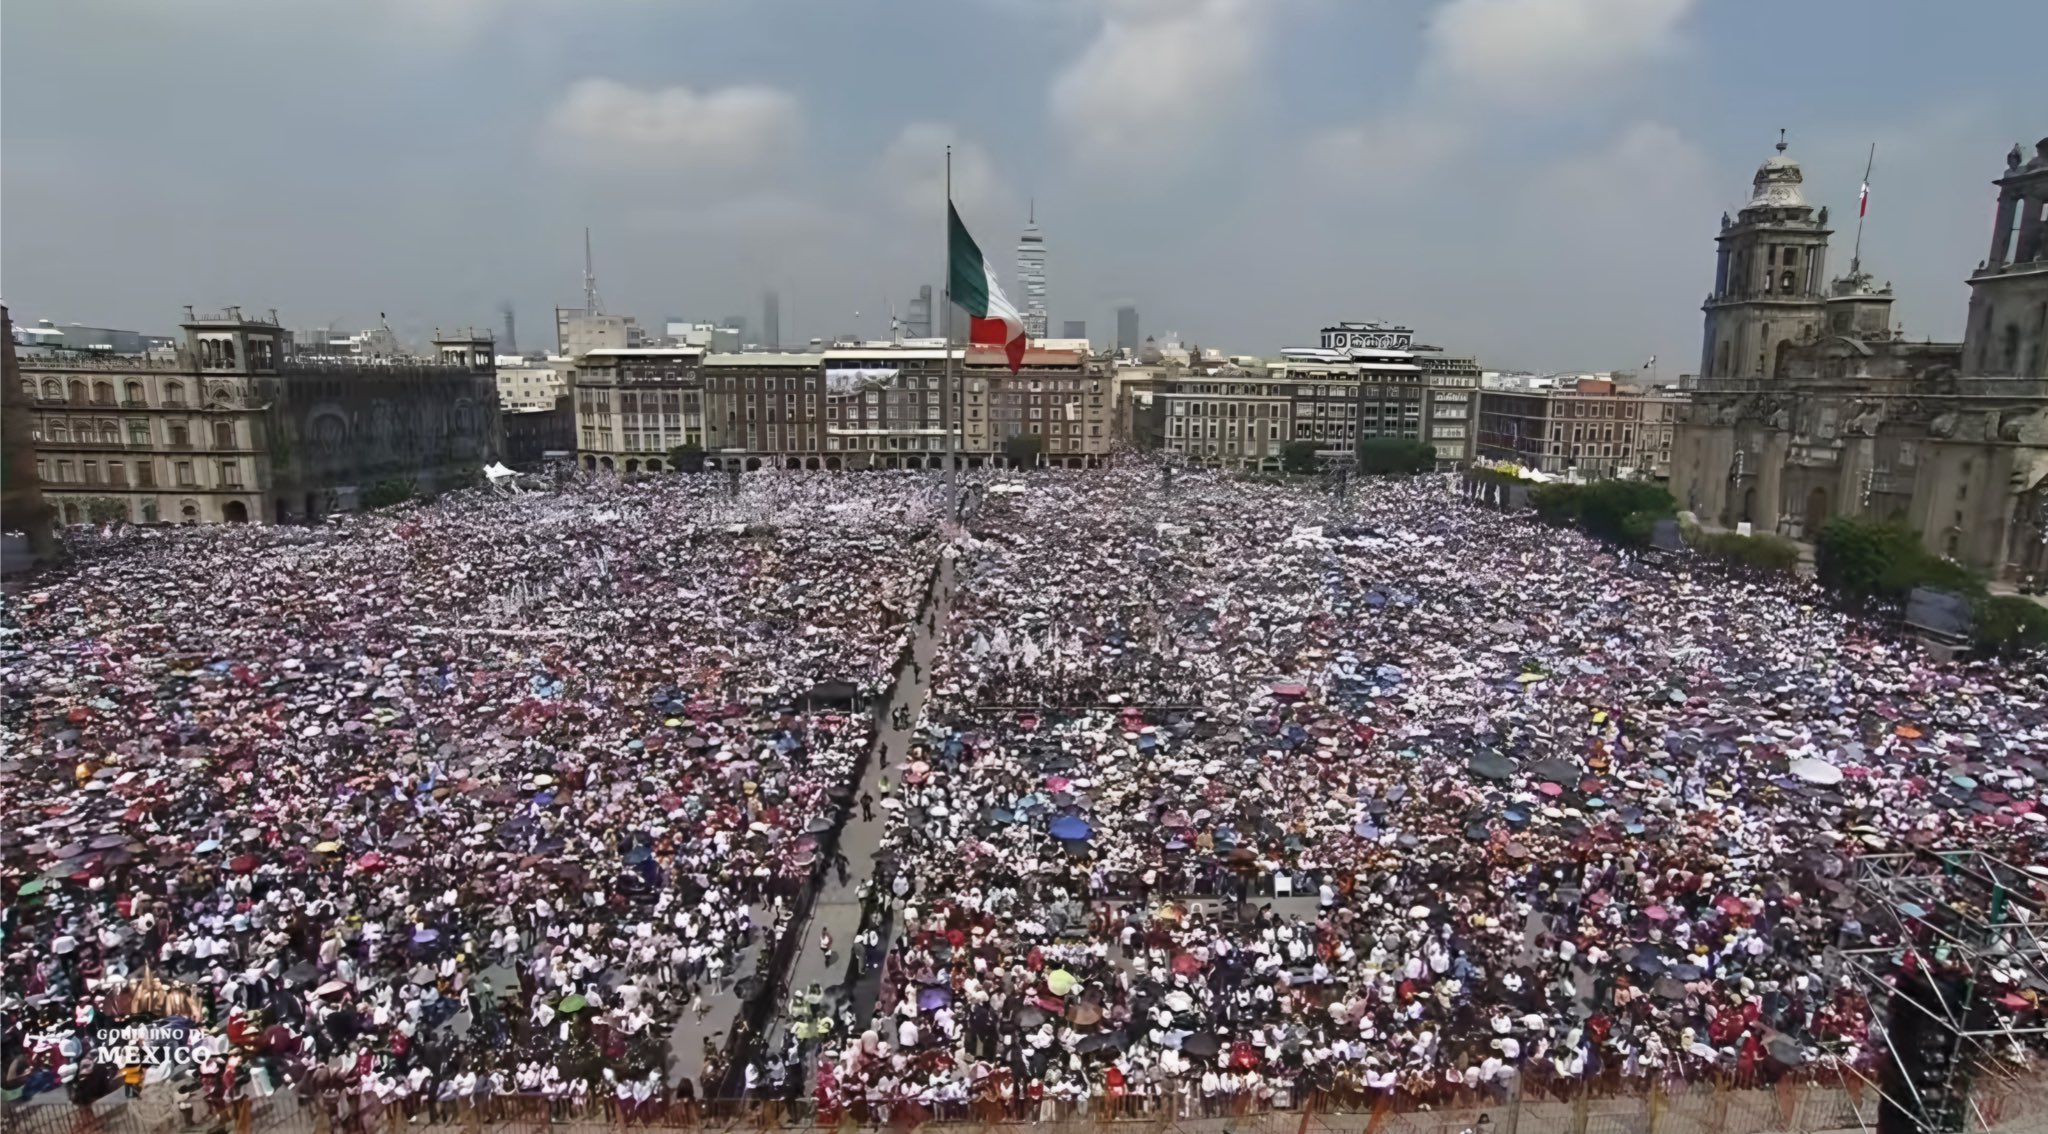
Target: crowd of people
{"x": 1226, "y": 795}
{"x": 1233, "y": 794}
{"x": 480, "y": 796}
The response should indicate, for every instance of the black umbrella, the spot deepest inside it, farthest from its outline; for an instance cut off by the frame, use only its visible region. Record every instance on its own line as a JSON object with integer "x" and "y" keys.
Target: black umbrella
{"x": 1102, "y": 1041}
{"x": 1202, "y": 1045}
{"x": 1555, "y": 770}
{"x": 1491, "y": 766}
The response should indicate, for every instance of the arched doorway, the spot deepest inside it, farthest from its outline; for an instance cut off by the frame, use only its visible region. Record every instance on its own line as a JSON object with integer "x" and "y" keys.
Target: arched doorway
{"x": 793, "y": 463}
{"x": 1816, "y": 511}
{"x": 189, "y": 512}
{"x": 811, "y": 464}
{"x": 832, "y": 464}
{"x": 589, "y": 463}
{"x": 1748, "y": 514}
{"x": 652, "y": 466}
{"x": 235, "y": 512}
{"x": 284, "y": 512}
{"x": 605, "y": 464}
{"x": 753, "y": 464}
{"x": 632, "y": 466}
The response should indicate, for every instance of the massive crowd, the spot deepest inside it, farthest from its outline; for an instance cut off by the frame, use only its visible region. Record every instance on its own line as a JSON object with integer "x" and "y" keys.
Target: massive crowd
{"x": 1226, "y": 795}
{"x": 1230, "y": 794}
{"x": 480, "y": 796}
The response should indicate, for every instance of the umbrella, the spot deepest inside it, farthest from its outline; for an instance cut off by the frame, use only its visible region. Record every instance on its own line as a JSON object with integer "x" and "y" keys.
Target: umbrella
{"x": 242, "y": 863}
{"x": 571, "y": 1004}
{"x": 32, "y": 886}
{"x": 932, "y": 999}
{"x": 1101, "y": 1041}
{"x": 1491, "y": 766}
{"x": 1060, "y": 981}
{"x": 1201, "y": 1044}
{"x": 1186, "y": 964}
{"x": 1086, "y": 1014}
{"x": 1816, "y": 771}
{"x": 1071, "y": 829}
{"x": 1554, "y": 770}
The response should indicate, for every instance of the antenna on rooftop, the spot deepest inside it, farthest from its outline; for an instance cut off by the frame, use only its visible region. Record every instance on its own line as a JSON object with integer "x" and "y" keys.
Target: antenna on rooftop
{"x": 591, "y": 304}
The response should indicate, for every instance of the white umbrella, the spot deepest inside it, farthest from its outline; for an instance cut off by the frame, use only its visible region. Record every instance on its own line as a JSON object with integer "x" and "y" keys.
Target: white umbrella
{"x": 1816, "y": 771}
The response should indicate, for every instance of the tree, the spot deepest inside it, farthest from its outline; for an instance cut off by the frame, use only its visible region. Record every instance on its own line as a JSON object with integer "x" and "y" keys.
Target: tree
{"x": 2010, "y": 624}
{"x": 1022, "y": 450}
{"x": 1298, "y": 457}
{"x": 1882, "y": 559}
{"x": 1400, "y": 455}
{"x": 1624, "y": 511}
{"x": 386, "y": 493}
{"x": 687, "y": 457}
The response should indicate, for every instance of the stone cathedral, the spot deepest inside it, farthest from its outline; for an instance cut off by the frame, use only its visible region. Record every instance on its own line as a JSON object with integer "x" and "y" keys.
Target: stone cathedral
{"x": 1812, "y": 402}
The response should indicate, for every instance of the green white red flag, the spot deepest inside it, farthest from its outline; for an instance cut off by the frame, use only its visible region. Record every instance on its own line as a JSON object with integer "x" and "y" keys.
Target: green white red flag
{"x": 992, "y": 319}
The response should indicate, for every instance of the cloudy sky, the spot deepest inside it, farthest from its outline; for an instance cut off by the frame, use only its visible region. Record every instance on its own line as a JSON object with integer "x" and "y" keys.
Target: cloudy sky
{"x": 1536, "y": 181}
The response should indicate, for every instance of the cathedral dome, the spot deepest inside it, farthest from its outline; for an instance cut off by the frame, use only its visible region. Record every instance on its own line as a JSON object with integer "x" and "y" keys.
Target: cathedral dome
{"x": 1777, "y": 182}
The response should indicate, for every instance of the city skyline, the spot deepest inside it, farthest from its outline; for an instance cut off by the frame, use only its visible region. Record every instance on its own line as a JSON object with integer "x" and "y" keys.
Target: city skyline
{"x": 1549, "y": 207}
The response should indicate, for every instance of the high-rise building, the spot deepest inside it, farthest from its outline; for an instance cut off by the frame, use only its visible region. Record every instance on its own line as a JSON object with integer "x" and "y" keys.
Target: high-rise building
{"x": 1074, "y": 329}
{"x": 771, "y": 320}
{"x": 917, "y": 324}
{"x": 1031, "y": 276}
{"x": 1127, "y": 329}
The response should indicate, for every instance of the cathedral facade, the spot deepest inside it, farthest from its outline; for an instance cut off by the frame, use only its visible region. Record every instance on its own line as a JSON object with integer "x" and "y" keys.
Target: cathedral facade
{"x": 1811, "y": 401}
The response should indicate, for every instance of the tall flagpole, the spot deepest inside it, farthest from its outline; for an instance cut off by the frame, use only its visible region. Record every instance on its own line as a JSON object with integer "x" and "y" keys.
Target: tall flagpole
{"x": 1862, "y": 206}
{"x": 950, "y": 384}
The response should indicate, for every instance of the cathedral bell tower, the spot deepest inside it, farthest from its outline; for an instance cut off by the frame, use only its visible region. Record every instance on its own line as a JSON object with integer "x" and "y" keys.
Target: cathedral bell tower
{"x": 1770, "y": 276}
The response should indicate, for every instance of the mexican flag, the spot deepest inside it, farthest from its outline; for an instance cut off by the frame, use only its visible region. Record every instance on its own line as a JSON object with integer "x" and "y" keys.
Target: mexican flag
{"x": 992, "y": 319}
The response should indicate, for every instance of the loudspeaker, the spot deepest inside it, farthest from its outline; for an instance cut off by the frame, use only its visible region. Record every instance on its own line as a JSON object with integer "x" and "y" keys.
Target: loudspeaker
{"x": 1924, "y": 1083}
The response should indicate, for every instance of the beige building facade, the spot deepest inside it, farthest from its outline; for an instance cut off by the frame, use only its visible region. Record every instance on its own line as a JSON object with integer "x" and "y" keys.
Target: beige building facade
{"x": 1854, "y": 418}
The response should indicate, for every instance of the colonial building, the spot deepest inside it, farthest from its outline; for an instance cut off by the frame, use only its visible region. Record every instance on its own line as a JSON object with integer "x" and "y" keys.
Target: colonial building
{"x": 878, "y": 405}
{"x": 231, "y": 427}
{"x": 634, "y": 405}
{"x": 1595, "y": 428}
{"x": 1848, "y": 416}
{"x": 22, "y": 508}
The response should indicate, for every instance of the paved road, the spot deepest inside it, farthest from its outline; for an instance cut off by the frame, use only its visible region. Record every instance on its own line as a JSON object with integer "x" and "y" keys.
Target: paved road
{"x": 838, "y": 905}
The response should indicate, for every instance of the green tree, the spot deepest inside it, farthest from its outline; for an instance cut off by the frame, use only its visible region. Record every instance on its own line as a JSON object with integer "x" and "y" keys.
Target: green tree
{"x": 1623, "y": 510}
{"x": 1298, "y": 457}
{"x": 2010, "y": 624}
{"x": 687, "y": 457}
{"x": 1403, "y": 455}
{"x": 1882, "y": 559}
{"x": 384, "y": 494}
{"x": 1022, "y": 450}
{"x": 1764, "y": 552}
{"x": 105, "y": 509}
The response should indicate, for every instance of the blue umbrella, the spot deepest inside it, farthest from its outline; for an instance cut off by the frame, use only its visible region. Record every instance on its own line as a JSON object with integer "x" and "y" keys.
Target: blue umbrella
{"x": 1071, "y": 829}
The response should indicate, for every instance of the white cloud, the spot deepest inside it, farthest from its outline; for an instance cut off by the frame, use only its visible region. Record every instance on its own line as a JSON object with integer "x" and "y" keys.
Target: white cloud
{"x": 729, "y": 130}
{"x": 911, "y": 175}
{"x": 1157, "y": 75}
{"x": 1523, "y": 50}
{"x": 1392, "y": 155}
{"x": 1483, "y": 58}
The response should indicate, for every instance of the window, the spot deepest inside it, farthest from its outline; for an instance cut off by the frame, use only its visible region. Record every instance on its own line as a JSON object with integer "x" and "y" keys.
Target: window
{"x": 63, "y": 471}
{"x": 174, "y": 394}
{"x": 103, "y": 393}
{"x": 145, "y": 475}
{"x": 179, "y": 434}
{"x": 109, "y": 435}
{"x": 59, "y": 430}
{"x": 231, "y": 474}
{"x": 184, "y": 471}
{"x": 117, "y": 474}
{"x": 223, "y": 435}
{"x": 92, "y": 472}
